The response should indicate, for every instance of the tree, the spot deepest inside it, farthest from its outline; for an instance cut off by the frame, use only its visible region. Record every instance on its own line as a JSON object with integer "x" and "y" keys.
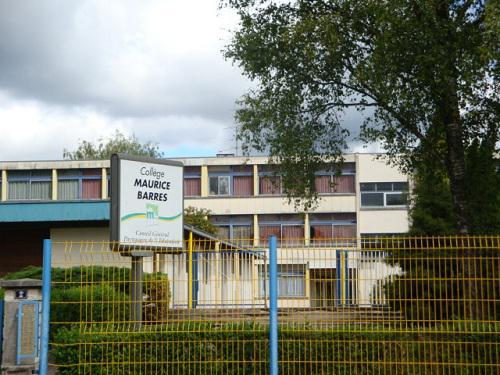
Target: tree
{"x": 198, "y": 218}
{"x": 431, "y": 211}
{"x": 424, "y": 72}
{"x": 431, "y": 208}
{"x": 118, "y": 143}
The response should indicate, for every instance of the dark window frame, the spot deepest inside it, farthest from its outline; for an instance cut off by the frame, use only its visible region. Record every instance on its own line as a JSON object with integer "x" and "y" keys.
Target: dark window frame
{"x": 380, "y": 188}
{"x": 230, "y": 174}
{"x": 234, "y": 222}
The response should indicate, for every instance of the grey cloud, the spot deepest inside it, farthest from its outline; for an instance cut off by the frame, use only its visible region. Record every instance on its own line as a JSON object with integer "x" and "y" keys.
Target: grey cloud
{"x": 93, "y": 54}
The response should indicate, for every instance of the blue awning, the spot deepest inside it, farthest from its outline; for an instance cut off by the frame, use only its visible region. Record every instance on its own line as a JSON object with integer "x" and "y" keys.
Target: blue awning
{"x": 54, "y": 211}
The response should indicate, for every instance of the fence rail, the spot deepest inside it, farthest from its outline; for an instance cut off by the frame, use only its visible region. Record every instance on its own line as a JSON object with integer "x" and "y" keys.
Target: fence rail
{"x": 358, "y": 305}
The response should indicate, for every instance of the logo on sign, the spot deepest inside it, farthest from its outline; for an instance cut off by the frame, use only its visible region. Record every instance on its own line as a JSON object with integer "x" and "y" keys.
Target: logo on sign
{"x": 152, "y": 214}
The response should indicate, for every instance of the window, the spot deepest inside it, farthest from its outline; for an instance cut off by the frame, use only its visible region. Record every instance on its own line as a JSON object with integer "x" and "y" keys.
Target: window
{"x": 219, "y": 185}
{"x": 91, "y": 184}
{"x": 68, "y": 184}
{"x": 237, "y": 229}
{"x": 234, "y": 180}
{"x": 242, "y": 180}
{"x": 384, "y": 194}
{"x": 289, "y": 229}
{"x": 333, "y": 229}
{"x": 270, "y": 185}
{"x": 329, "y": 183}
{"x": 34, "y": 185}
{"x": 108, "y": 182}
{"x": 269, "y": 182}
{"x": 74, "y": 184}
{"x": 243, "y": 186}
{"x": 192, "y": 181}
{"x": 291, "y": 281}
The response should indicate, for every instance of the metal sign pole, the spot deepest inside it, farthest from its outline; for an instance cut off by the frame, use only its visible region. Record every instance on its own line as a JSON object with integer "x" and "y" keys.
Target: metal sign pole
{"x": 136, "y": 292}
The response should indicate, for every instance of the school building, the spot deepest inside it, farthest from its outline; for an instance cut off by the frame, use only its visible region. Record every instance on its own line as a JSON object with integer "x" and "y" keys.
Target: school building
{"x": 69, "y": 201}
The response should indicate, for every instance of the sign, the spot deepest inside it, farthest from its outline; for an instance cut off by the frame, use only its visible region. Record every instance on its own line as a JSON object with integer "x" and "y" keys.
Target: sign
{"x": 21, "y": 294}
{"x": 147, "y": 202}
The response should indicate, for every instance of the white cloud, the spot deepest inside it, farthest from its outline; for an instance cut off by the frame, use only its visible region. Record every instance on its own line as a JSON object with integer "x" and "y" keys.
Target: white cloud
{"x": 73, "y": 70}
{"x": 31, "y": 131}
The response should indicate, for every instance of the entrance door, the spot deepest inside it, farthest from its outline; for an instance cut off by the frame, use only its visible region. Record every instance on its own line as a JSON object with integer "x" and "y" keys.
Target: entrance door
{"x": 323, "y": 287}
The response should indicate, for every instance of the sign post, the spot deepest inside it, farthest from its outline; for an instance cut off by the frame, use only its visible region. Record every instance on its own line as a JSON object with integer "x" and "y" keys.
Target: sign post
{"x": 147, "y": 205}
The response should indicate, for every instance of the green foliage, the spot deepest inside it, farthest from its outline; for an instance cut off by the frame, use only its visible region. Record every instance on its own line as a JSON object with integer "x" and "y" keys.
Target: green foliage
{"x": 77, "y": 276}
{"x": 483, "y": 189}
{"x": 157, "y": 297}
{"x": 424, "y": 73}
{"x": 91, "y": 303}
{"x": 29, "y": 272}
{"x": 431, "y": 210}
{"x": 187, "y": 348}
{"x": 198, "y": 218}
{"x": 99, "y": 294}
{"x": 444, "y": 279}
{"x": 118, "y": 143}
{"x": 432, "y": 207}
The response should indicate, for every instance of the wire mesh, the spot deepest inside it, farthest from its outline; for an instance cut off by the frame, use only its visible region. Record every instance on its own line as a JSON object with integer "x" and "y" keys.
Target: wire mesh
{"x": 353, "y": 305}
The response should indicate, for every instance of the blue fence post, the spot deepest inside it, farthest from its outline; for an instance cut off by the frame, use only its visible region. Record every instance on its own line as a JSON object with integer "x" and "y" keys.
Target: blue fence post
{"x": 273, "y": 304}
{"x": 1, "y": 327}
{"x": 46, "y": 277}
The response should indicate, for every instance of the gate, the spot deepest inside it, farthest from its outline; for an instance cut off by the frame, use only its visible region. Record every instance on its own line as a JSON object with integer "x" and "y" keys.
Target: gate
{"x": 366, "y": 305}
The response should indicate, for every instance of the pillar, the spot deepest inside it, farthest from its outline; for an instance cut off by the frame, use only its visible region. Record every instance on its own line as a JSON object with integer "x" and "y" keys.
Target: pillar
{"x": 54, "y": 184}
{"x": 4, "y": 186}
{"x": 255, "y": 180}
{"x": 204, "y": 181}
{"x": 256, "y": 230}
{"x": 104, "y": 183}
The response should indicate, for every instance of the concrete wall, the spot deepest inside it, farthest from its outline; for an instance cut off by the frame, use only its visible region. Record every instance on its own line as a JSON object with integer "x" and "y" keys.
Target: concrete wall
{"x": 84, "y": 246}
{"x": 373, "y": 169}
{"x": 269, "y": 205}
{"x": 383, "y": 221}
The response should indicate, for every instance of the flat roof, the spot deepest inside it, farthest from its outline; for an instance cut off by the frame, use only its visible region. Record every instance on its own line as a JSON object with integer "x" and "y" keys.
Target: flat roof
{"x": 188, "y": 161}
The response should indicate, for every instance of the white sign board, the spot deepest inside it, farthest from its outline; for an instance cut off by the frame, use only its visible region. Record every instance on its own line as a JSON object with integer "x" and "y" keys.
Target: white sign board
{"x": 146, "y": 202}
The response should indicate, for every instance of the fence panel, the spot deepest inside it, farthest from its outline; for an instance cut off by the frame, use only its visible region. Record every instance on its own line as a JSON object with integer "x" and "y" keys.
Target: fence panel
{"x": 391, "y": 305}
{"x": 199, "y": 310}
{"x": 356, "y": 305}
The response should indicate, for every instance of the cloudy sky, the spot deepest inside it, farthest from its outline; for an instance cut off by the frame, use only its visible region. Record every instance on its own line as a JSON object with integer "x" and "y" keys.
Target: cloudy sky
{"x": 73, "y": 70}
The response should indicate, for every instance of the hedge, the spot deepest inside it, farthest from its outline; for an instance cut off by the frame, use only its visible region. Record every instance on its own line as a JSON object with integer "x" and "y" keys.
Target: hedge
{"x": 89, "y": 304}
{"x": 98, "y": 294}
{"x": 195, "y": 348}
{"x": 76, "y": 276}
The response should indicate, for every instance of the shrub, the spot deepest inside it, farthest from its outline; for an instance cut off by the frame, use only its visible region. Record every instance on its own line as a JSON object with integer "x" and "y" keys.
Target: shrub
{"x": 79, "y": 275}
{"x": 156, "y": 289}
{"x": 100, "y": 303}
{"x": 199, "y": 348}
{"x": 444, "y": 279}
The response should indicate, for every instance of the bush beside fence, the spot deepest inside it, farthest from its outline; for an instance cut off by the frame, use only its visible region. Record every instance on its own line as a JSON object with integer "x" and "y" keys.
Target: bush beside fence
{"x": 243, "y": 349}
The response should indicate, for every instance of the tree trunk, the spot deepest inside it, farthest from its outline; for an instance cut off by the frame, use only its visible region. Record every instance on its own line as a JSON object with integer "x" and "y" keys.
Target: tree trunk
{"x": 449, "y": 113}
{"x": 455, "y": 164}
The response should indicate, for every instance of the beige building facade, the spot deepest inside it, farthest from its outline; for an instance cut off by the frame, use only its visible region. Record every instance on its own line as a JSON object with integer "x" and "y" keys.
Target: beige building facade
{"x": 321, "y": 260}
